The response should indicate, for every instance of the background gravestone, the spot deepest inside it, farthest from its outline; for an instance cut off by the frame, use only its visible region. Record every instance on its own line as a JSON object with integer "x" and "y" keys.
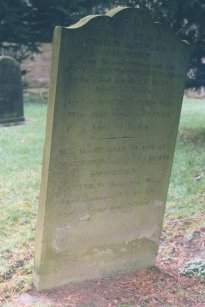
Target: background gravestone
{"x": 11, "y": 97}
{"x": 116, "y": 90}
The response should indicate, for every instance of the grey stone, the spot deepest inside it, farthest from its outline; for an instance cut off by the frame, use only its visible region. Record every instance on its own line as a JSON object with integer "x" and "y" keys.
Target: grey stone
{"x": 116, "y": 90}
{"x": 11, "y": 97}
{"x": 26, "y": 299}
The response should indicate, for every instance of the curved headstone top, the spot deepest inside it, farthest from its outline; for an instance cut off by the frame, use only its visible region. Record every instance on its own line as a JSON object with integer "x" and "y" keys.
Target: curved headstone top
{"x": 7, "y": 60}
{"x": 11, "y": 97}
{"x": 132, "y": 17}
{"x": 116, "y": 91}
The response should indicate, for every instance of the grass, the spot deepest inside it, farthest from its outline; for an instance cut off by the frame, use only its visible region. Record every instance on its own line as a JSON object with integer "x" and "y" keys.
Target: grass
{"x": 35, "y": 95}
{"x": 20, "y": 165}
{"x": 186, "y": 192}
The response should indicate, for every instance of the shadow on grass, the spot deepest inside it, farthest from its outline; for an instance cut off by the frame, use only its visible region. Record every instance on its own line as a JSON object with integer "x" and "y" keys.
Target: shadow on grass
{"x": 195, "y": 136}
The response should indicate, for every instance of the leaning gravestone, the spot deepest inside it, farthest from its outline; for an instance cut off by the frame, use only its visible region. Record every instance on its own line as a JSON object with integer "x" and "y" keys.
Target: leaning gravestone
{"x": 11, "y": 98}
{"x": 116, "y": 90}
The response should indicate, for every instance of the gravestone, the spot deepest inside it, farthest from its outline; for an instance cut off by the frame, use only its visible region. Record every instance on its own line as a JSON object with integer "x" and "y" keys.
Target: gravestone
{"x": 116, "y": 90}
{"x": 11, "y": 97}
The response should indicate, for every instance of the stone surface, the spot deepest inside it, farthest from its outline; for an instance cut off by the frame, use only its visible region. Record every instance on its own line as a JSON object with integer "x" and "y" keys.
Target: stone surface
{"x": 11, "y": 97}
{"x": 26, "y": 299}
{"x": 116, "y": 90}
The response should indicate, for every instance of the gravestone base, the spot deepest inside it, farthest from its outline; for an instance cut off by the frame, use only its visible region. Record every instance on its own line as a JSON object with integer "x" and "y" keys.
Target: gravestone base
{"x": 114, "y": 260}
{"x": 12, "y": 121}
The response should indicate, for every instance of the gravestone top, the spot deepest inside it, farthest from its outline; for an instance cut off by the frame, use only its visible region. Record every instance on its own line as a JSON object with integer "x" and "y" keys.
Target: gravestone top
{"x": 7, "y": 60}
{"x": 11, "y": 97}
{"x": 115, "y": 97}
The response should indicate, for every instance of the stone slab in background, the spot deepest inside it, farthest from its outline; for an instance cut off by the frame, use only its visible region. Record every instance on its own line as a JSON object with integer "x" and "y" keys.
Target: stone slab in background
{"x": 116, "y": 91}
{"x": 11, "y": 97}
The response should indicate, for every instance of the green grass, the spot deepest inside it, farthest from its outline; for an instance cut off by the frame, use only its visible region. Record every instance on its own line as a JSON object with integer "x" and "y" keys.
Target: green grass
{"x": 20, "y": 165}
{"x": 186, "y": 192}
{"x": 21, "y": 149}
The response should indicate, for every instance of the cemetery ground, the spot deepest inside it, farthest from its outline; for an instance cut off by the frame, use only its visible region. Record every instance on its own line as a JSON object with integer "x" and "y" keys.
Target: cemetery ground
{"x": 182, "y": 241}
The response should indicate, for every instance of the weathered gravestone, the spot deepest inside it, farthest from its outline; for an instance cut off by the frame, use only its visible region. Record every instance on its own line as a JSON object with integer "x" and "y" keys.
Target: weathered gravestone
{"x": 11, "y": 97}
{"x": 116, "y": 90}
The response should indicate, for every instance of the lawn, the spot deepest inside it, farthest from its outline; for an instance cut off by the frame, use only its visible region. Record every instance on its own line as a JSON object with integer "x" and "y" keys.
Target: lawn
{"x": 186, "y": 192}
{"x": 20, "y": 164}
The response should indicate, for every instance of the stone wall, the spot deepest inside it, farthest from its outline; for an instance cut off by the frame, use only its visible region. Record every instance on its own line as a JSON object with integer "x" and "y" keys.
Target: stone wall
{"x": 38, "y": 68}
